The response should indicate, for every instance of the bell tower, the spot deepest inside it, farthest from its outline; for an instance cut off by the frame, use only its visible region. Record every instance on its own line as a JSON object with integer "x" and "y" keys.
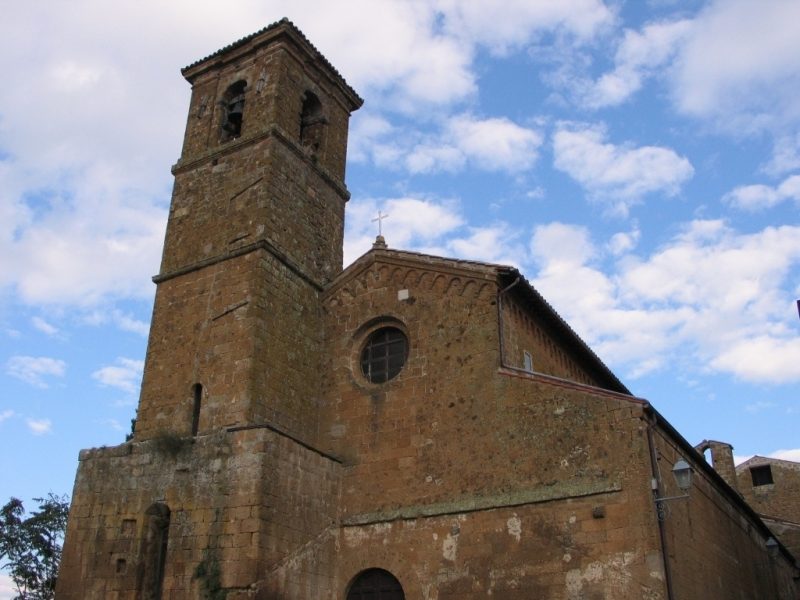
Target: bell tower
{"x": 222, "y": 482}
{"x": 254, "y": 234}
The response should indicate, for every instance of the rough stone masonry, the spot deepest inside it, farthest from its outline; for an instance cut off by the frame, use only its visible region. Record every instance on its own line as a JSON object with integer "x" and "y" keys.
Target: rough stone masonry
{"x": 409, "y": 427}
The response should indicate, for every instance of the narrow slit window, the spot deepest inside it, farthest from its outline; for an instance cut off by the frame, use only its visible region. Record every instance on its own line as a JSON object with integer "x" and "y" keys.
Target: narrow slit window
{"x": 527, "y": 361}
{"x": 198, "y": 401}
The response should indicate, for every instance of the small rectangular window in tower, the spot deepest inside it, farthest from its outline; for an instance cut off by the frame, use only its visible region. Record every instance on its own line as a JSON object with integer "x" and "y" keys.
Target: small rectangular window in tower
{"x": 128, "y": 527}
{"x": 761, "y": 475}
{"x": 528, "y": 361}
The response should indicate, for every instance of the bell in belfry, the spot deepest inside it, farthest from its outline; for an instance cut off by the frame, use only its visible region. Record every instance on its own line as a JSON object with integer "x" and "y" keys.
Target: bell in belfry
{"x": 233, "y": 118}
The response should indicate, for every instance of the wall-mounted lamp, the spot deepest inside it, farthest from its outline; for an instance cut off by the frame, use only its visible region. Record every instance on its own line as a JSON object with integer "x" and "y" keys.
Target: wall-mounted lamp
{"x": 682, "y": 472}
{"x": 683, "y": 475}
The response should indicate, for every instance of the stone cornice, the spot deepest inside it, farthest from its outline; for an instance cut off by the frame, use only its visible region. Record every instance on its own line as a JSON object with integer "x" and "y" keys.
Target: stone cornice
{"x": 276, "y": 132}
{"x": 560, "y": 491}
{"x": 262, "y": 244}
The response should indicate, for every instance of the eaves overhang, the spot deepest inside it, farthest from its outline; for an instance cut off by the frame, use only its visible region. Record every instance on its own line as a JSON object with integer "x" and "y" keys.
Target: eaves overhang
{"x": 558, "y": 326}
{"x": 269, "y": 34}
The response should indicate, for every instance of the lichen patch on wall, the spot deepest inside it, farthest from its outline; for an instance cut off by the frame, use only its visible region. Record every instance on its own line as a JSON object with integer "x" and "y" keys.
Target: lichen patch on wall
{"x": 613, "y": 573}
{"x": 514, "y": 526}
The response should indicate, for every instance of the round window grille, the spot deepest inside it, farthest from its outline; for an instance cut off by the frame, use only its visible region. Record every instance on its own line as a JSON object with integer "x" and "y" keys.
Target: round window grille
{"x": 384, "y": 354}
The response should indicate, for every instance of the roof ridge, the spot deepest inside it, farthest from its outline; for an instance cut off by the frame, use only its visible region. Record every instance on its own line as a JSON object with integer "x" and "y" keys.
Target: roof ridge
{"x": 769, "y": 459}
{"x": 273, "y": 26}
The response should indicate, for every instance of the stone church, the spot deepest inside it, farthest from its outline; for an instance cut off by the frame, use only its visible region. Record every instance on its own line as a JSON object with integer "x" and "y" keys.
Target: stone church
{"x": 409, "y": 427}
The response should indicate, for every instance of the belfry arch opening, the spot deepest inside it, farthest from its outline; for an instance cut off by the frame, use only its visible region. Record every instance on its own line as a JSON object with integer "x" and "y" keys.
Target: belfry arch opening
{"x": 233, "y": 110}
{"x": 312, "y": 122}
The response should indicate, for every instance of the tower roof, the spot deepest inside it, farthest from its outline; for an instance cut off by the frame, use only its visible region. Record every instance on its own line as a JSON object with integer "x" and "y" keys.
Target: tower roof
{"x": 263, "y": 36}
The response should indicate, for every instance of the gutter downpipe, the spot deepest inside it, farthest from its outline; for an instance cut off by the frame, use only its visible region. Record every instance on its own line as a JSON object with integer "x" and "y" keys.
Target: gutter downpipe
{"x": 662, "y": 534}
{"x": 500, "y": 295}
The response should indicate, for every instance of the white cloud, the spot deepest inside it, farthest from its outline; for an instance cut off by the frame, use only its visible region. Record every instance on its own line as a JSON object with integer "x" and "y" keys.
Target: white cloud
{"x": 495, "y": 144}
{"x": 434, "y": 156}
{"x": 711, "y": 264}
{"x": 495, "y": 243}
{"x": 99, "y": 244}
{"x": 762, "y": 358}
{"x": 6, "y": 414}
{"x": 412, "y": 224}
{"x": 112, "y": 424}
{"x": 412, "y": 55}
{"x": 785, "y": 154}
{"x": 368, "y": 133}
{"x": 640, "y": 54}
{"x": 34, "y": 369}
{"x": 617, "y": 175}
{"x": 129, "y": 323}
{"x": 710, "y": 299}
{"x": 43, "y": 326}
{"x": 390, "y": 49}
{"x": 558, "y": 245}
{"x": 39, "y": 426}
{"x": 624, "y": 241}
{"x": 123, "y": 320}
{"x": 71, "y": 76}
{"x": 792, "y": 454}
{"x": 622, "y": 333}
{"x": 517, "y": 21}
{"x": 429, "y": 226}
{"x": 741, "y": 64}
{"x": 8, "y": 590}
{"x": 759, "y": 197}
{"x": 125, "y": 375}
{"x": 84, "y": 184}
{"x": 761, "y": 405}
{"x": 490, "y": 144}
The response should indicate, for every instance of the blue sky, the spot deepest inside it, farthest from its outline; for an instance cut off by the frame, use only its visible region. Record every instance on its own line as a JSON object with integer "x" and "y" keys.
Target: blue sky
{"x": 639, "y": 161}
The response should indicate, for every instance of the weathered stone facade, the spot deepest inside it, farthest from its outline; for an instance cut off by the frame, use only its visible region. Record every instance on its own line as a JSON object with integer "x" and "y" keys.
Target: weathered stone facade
{"x": 772, "y": 487}
{"x": 502, "y": 459}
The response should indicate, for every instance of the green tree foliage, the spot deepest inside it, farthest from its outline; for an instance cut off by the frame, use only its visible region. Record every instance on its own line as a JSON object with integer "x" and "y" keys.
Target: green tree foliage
{"x": 30, "y": 547}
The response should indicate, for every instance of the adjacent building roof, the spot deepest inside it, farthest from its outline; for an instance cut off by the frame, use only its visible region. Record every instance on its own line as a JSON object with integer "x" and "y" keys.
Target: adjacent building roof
{"x": 757, "y": 460}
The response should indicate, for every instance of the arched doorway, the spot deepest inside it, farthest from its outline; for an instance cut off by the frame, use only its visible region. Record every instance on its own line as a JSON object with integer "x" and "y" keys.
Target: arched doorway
{"x": 375, "y": 584}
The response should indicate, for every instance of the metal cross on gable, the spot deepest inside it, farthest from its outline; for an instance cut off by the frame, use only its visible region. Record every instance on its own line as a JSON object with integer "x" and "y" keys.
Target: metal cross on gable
{"x": 380, "y": 219}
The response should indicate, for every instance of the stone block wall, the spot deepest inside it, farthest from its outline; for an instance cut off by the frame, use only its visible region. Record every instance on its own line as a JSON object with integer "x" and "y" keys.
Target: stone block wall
{"x": 716, "y": 548}
{"x": 203, "y": 333}
{"x": 522, "y": 332}
{"x": 464, "y": 480}
{"x": 778, "y": 502}
{"x": 243, "y": 505}
{"x": 279, "y": 67}
{"x": 780, "y": 499}
{"x": 581, "y": 547}
{"x": 268, "y": 189}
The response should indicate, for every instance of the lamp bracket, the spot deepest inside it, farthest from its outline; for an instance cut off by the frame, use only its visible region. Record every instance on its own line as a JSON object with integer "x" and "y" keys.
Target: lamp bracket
{"x": 664, "y": 499}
